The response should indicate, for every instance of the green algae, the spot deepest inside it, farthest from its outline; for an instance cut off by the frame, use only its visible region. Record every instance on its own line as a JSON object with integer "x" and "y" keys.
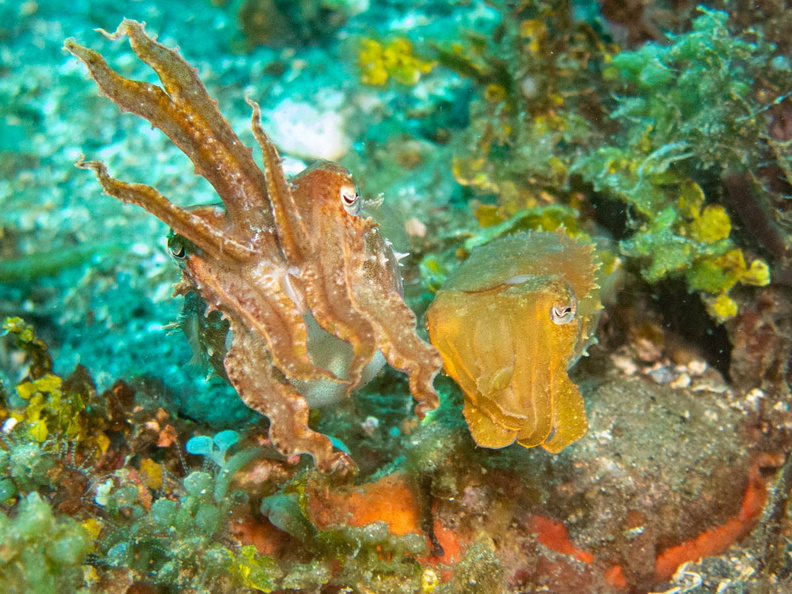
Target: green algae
{"x": 176, "y": 535}
{"x": 40, "y": 551}
{"x": 52, "y": 262}
{"x": 564, "y": 115}
{"x": 180, "y": 543}
{"x": 696, "y": 96}
{"x": 687, "y": 105}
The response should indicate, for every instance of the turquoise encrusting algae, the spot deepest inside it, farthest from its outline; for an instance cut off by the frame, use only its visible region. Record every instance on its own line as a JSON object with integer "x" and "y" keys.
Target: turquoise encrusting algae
{"x": 658, "y": 134}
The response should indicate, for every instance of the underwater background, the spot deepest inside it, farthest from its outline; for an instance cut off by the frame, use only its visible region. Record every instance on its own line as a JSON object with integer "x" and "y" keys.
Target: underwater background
{"x": 657, "y": 132}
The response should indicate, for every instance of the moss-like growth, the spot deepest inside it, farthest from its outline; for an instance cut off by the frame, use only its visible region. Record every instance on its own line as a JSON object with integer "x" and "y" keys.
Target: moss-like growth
{"x": 478, "y": 571}
{"x": 24, "y": 467}
{"x": 179, "y": 542}
{"x": 685, "y": 106}
{"x": 371, "y": 553}
{"x": 342, "y": 555}
{"x": 559, "y": 106}
{"x": 142, "y": 523}
{"x": 539, "y": 78}
{"x": 696, "y": 96}
{"x": 41, "y": 552}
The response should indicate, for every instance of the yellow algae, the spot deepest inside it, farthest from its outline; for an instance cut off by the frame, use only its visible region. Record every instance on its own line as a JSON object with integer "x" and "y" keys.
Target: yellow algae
{"x": 395, "y": 60}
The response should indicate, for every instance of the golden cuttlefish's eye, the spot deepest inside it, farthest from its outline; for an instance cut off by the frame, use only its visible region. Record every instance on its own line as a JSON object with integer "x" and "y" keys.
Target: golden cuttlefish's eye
{"x": 350, "y": 199}
{"x": 563, "y": 314}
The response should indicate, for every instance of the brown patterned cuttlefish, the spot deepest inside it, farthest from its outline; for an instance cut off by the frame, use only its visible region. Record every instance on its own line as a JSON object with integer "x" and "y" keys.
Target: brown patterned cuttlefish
{"x": 282, "y": 260}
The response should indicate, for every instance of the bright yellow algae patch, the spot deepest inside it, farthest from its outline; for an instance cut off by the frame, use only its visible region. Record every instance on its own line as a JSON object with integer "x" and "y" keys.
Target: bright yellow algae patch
{"x": 509, "y": 323}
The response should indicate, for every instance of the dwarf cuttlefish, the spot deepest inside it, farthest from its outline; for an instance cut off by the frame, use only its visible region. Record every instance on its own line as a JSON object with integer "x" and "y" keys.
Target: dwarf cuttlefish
{"x": 509, "y": 323}
{"x": 305, "y": 282}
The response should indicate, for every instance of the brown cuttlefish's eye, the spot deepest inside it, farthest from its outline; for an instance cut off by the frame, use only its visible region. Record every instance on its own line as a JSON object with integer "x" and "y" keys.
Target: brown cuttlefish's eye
{"x": 563, "y": 314}
{"x": 350, "y": 200}
{"x": 177, "y": 247}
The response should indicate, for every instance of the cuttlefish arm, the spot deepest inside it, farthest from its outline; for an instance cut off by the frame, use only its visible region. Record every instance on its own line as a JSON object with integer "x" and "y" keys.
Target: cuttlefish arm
{"x": 264, "y": 305}
{"x": 188, "y": 224}
{"x": 263, "y": 389}
{"x": 347, "y": 271}
{"x": 394, "y": 324}
{"x": 186, "y": 113}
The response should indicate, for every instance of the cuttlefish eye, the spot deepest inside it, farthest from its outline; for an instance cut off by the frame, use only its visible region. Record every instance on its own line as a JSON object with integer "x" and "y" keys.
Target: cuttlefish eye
{"x": 177, "y": 247}
{"x": 563, "y": 314}
{"x": 350, "y": 200}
